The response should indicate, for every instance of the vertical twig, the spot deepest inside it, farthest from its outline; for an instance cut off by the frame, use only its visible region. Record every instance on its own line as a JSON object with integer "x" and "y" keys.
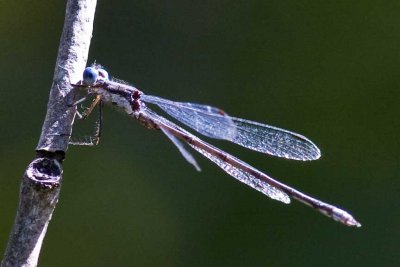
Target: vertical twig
{"x": 40, "y": 185}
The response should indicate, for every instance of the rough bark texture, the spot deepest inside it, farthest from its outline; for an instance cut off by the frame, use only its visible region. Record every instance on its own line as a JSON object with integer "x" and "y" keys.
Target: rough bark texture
{"x": 40, "y": 185}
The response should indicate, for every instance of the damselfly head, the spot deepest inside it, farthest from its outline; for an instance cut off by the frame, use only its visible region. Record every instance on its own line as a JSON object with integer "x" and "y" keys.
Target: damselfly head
{"x": 94, "y": 74}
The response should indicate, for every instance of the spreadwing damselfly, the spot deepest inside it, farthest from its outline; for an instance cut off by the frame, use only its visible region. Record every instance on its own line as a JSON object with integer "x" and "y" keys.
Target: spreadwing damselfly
{"x": 214, "y": 123}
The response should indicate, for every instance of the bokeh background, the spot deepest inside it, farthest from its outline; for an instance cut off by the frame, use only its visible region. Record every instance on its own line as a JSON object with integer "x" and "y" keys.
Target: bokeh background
{"x": 326, "y": 69}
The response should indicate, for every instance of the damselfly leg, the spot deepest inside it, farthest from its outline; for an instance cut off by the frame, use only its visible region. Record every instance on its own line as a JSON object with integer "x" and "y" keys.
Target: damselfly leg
{"x": 94, "y": 139}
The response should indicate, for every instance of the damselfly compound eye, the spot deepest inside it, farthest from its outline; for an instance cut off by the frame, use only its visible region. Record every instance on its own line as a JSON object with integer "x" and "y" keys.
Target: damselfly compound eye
{"x": 90, "y": 76}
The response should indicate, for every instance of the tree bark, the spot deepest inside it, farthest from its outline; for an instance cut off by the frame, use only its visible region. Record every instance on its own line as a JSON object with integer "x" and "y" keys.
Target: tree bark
{"x": 40, "y": 185}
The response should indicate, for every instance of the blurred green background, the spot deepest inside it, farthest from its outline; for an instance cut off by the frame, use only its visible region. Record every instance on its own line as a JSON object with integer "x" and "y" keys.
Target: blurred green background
{"x": 326, "y": 69}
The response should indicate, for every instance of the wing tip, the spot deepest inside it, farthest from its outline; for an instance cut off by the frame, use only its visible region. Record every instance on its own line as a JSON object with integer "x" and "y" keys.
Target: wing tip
{"x": 313, "y": 153}
{"x": 308, "y": 155}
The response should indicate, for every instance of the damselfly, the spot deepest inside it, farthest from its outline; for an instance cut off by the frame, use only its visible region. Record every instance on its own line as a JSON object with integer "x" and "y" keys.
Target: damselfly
{"x": 214, "y": 123}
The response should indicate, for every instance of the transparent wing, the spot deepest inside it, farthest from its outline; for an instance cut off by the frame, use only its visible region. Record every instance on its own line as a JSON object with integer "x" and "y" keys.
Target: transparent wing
{"x": 215, "y": 123}
{"x": 237, "y": 173}
{"x": 246, "y": 178}
{"x": 186, "y": 154}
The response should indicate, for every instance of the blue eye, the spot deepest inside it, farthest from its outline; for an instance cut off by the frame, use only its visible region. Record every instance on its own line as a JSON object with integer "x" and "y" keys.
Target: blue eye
{"x": 90, "y": 76}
